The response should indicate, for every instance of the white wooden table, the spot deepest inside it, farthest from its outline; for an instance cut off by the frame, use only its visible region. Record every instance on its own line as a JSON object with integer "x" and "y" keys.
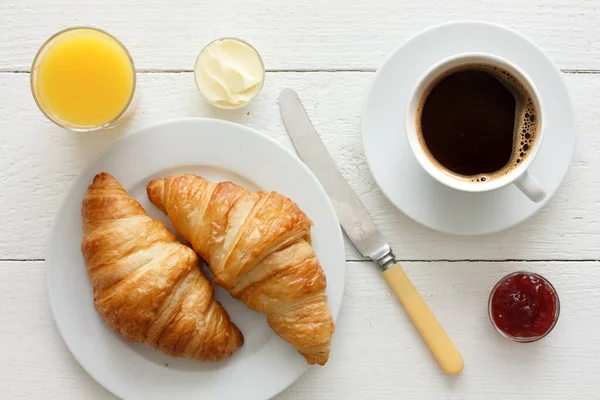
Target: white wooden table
{"x": 327, "y": 50}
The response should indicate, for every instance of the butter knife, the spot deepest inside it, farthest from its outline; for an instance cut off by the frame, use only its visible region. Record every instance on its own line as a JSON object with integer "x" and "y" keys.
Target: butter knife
{"x": 362, "y": 231}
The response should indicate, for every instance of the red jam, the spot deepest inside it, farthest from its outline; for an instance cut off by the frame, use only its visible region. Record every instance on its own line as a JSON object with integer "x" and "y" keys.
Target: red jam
{"x": 524, "y": 306}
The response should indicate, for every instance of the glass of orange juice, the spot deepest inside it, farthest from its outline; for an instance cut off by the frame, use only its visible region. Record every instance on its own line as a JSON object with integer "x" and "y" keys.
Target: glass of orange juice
{"x": 83, "y": 79}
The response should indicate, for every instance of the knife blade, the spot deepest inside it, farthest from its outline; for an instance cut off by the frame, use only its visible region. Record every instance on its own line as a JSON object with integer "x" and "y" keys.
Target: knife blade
{"x": 361, "y": 229}
{"x": 353, "y": 216}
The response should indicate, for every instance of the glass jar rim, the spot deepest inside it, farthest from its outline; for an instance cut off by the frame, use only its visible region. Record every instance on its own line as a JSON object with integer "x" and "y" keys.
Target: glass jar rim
{"x": 262, "y": 64}
{"x": 519, "y": 339}
{"x": 33, "y": 75}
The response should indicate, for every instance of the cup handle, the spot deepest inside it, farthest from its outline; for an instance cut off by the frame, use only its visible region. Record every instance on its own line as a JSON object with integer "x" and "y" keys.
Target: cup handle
{"x": 530, "y": 187}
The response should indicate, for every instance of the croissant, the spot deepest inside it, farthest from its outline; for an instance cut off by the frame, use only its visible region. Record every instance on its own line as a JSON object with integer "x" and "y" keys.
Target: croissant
{"x": 258, "y": 247}
{"x": 147, "y": 286}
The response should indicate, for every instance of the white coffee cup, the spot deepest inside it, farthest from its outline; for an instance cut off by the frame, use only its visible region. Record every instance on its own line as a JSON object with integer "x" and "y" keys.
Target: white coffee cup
{"x": 518, "y": 175}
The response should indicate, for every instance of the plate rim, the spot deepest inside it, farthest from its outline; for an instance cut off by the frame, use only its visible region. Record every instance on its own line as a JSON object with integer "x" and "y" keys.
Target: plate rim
{"x": 78, "y": 180}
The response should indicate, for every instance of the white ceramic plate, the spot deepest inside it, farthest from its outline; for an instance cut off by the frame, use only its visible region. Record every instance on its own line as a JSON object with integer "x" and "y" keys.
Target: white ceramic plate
{"x": 394, "y": 166}
{"x": 217, "y": 150}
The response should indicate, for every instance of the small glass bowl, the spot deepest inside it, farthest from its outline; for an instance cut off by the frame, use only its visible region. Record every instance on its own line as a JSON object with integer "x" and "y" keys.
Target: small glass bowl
{"x": 262, "y": 78}
{"x": 65, "y": 124}
{"x": 519, "y": 339}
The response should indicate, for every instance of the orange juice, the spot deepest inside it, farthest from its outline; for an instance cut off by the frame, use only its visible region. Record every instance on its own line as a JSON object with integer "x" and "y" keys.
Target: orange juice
{"x": 83, "y": 79}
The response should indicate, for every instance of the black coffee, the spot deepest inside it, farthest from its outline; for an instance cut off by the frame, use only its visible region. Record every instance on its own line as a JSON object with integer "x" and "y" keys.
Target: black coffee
{"x": 477, "y": 121}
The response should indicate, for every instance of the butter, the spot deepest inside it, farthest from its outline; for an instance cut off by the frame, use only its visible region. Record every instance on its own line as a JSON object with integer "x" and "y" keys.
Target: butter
{"x": 229, "y": 73}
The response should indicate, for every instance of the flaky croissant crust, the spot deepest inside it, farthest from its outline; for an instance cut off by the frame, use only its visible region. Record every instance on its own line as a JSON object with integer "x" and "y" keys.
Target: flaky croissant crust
{"x": 147, "y": 286}
{"x": 258, "y": 247}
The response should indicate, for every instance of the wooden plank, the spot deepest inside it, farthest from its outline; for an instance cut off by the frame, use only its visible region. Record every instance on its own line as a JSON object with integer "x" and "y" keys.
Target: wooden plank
{"x": 340, "y": 34}
{"x": 34, "y": 361}
{"x": 376, "y": 352}
{"x": 39, "y": 160}
{"x": 378, "y": 355}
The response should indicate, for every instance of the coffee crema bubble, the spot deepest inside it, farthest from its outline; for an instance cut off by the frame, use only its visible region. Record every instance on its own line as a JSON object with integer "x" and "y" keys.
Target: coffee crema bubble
{"x": 477, "y": 122}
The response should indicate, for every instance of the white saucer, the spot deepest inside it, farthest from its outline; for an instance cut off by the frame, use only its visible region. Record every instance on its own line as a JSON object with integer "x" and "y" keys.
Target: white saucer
{"x": 395, "y": 168}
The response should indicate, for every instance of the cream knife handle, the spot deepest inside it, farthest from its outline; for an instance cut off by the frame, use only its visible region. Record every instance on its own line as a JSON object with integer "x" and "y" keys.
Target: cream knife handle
{"x": 431, "y": 330}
